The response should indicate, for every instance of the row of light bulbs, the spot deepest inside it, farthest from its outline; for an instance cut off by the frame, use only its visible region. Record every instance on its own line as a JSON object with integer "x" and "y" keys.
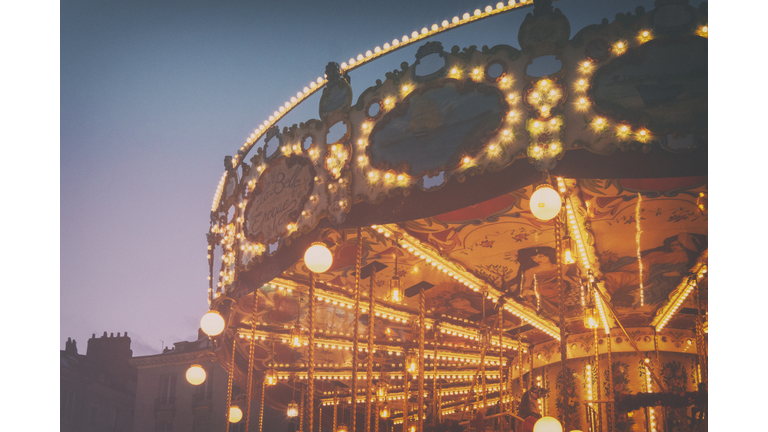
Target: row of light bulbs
{"x": 355, "y": 62}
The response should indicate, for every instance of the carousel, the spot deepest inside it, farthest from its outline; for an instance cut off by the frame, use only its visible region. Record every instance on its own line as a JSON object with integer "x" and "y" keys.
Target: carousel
{"x": 482, "y": 249}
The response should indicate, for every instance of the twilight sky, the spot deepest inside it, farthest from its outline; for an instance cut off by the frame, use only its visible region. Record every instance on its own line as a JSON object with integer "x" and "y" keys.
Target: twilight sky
{"x": 155, "y": 93}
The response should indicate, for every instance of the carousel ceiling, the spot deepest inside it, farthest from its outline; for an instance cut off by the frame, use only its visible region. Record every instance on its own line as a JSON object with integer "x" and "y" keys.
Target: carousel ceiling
{"x": 431, "y": 185}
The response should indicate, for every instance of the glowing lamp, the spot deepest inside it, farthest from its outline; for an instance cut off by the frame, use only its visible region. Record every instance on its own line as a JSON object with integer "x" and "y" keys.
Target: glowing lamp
{"x": 342, "y": 428}
{"x": 384, "y": 412}
{"x": 235, "y": 414}
{"x": 567, "y": 251}
{"x": 545, "y": 203}
{"x": 293, "y": 409}
{"x": 297, "y": 336}
{"x": 412, "y": 363}
{"x": 381, "y": 391}
{"x": 318, "y": 258}
{"x": 591, "y": 318}
{"x": 271, "y": 377}
{"x": 196, "y": 374}
{"x": 547, "y": 424}
{"x": 395, "y": 290}
{"x": 212, "y": 323}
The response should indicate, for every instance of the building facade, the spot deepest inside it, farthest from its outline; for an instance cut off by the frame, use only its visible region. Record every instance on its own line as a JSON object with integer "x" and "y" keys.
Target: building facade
{"x": 97, "y": 389}
{"x": 165, "y": 401}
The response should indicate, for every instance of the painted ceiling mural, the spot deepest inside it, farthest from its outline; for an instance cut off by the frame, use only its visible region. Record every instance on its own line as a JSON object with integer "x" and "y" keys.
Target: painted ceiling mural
{"x": 501, "y": 242}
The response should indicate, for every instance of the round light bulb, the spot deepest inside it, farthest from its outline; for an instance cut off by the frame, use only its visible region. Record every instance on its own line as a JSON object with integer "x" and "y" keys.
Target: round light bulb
{"x": 196, "y": 374}
{"x": 235, "y": 414}
{"x": 318, "y": 258}
{"x": 545, "y": 203}
{"x": 547, "y": 424}
{"x": 212, "y": 323}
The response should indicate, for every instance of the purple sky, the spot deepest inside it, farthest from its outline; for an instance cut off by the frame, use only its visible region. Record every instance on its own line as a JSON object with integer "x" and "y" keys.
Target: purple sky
{"x": 154, "y": 94}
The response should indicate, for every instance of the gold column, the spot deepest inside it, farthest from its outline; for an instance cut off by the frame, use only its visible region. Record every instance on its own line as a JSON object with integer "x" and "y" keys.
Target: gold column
{"x": 563, "y": 335}
{"x": 435, "y": 404}
{"x": 355, "y": 349}
{"x": 335, "y": 408}
{"x": 406, "y": 394}
{"x": 229, "y": 382}
{"x": 422, "y": 331}
{"x": 311, "y": 346}
{"x": 502, "y": 404}
{"x": 597, "y": 383}
{"x": 369, "y": 390}
{"x": 261, "y": 410}
{"x": 250, "y": 361}
{"x": 301, "y": 412}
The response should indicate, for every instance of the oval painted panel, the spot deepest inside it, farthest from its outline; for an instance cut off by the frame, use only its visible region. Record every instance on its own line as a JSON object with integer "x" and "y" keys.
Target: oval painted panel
{"x": 663, "y": 84}
{"x": 437, "y": 128}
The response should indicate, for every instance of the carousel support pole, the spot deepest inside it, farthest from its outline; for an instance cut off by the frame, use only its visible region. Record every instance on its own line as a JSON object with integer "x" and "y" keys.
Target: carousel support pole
{"x": 355, "y": 333}
{"x": 658, "y": 362}
{"x": 422, "y": 331}
{"x": 261, "y": 409}
{"x": 520, "y": 363}
{"x": 311, "y": 349}
{"x": 609, "y": 412}
{"x": 472, "y": 387}
{"x": 376, "y": 416}
{"x": 319, "y": 418}
{"x": 597, "y": 382}
{"x": 565, "y": 419}
{"x": 483, "y": 349}
{"x": 406, "y": 394}
{"x": 250, "y": 360}
{"x": 502, "y": 404}
{"x": 701, "y": 349}
{"x": 435, "y": 396}
{"x": 229, "y": 381}
{"x": 301, "y": 412}
{"x": 335, "y": 408}
{"x": 369, "y": 389}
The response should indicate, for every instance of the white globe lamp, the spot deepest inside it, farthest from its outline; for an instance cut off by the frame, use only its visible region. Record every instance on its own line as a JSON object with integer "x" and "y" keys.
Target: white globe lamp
{"x": 547, "y": 424}
{"x": 235, "y": 414}
{"x": 545, "y": 203}
{"x": 212, "y": 323}
{"x": 318, "y": 258}
{"x": 196, "y": 374}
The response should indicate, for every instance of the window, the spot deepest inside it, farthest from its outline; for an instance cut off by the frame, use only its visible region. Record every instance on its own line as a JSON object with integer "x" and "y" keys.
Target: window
{"x": 113, "y": 417}
{"x": 204, "y": 391}
{"x": 67, "y": 404}
{"x": 167, "y": 389}
{"x": 93, "y": 414}
{"x": 201, "y": 424}
{"x": 164, "y": 425}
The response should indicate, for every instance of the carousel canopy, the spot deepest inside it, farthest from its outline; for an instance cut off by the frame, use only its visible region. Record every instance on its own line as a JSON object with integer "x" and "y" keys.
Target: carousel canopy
{"x": 427, "y": 203}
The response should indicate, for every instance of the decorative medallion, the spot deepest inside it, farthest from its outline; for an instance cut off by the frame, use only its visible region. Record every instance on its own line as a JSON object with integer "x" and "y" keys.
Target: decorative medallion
{"x": 278, "y": 198}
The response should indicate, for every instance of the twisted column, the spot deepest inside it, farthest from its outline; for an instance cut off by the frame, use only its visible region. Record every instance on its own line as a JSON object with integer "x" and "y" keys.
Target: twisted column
{"x": 261, "y": 410}
{"x": 406, "y": 393}
{"x": 563, "y": 335}
{"x": 435, "y": 404}
{"x": 422, "y": 331}
{"x": 250, "y": 360}
{"x": 355, "y": 348}
{"x": 335, "y": 408}
{"x": 502, "y": 404}
{"x": 368, "y": 392}
{"x": 229, "y": 381}
{"x": 597, "y": 374}
{"x": 311, "y": 373}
